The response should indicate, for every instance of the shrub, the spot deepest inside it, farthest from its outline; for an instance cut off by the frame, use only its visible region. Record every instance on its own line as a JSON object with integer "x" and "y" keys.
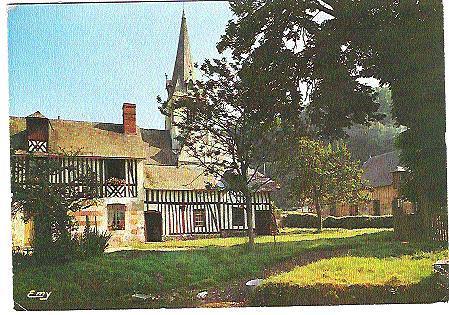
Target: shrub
{"x": 308, "y": 220}
{"x": 300, "y": 220}
{"x": 359, "y": 222}
{"x": 92, "y": 242}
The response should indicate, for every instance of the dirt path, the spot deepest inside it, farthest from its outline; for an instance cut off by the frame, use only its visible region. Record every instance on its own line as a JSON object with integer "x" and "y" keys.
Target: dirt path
{"x": 237, "y": 294}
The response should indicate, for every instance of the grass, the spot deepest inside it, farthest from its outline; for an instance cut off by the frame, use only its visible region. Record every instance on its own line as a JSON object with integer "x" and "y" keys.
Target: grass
{"x": 175, "y": 277}
{"x": 286, "y": 235}
{"x": 390, "y": 272}
{"x": 405, "y": 270}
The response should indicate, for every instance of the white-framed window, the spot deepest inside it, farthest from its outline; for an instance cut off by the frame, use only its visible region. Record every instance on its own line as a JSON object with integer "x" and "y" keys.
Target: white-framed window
{"x": 116, "y": 217}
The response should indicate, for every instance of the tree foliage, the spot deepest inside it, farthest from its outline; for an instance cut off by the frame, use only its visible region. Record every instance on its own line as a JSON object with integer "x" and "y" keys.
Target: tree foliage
{"x": 230, "y": 121}
{"x": 316, "y": 173}
{"x": 329, "y": 46}
{"x": 300, "y": 45}
{"x": 50, "y": 204}
{"x": 377, "y": 137}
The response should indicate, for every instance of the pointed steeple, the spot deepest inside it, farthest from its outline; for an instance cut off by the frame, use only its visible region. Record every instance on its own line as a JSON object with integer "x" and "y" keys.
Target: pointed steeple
{"x": 183, "y": 70}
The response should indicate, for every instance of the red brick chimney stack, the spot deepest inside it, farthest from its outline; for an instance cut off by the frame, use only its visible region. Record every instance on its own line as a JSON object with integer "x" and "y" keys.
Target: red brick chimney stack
{"x": 129, "y": 119}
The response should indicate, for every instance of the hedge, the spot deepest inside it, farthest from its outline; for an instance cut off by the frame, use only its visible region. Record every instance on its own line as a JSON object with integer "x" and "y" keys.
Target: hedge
{"x": 308, "y": 220}
{"x": 303, "y": 220}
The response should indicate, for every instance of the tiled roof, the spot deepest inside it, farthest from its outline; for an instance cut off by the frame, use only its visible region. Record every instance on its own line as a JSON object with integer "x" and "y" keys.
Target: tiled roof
{"x": 98, "y": 139}
{"x": 159, "y": 147}
{"x": 185, "y": 177}
{"x": 377, "y": 170}
{"x": 190, "y": 177}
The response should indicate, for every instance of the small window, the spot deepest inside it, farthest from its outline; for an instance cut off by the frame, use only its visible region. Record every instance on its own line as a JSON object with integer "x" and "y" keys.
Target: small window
{"x": 116, "y": 217}
{"x": 238, "y": 216}
{"x": 199, "y": 218}
{"x": 114, "y": 169}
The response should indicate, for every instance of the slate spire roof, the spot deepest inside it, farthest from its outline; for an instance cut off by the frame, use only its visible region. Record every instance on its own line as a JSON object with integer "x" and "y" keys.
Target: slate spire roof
{"x": 183, "y": 70}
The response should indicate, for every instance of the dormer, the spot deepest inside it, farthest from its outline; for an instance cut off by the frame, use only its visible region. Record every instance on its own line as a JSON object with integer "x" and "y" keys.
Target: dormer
{"x": 37, "y": 133}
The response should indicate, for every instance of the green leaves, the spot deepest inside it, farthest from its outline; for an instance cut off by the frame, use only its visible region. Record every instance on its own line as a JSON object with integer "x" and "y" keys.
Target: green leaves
{"x": 324, "y": 168}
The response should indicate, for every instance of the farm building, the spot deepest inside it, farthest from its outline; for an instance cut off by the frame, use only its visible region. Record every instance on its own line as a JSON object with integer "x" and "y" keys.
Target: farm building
{"x": 382, "y": 174}
{"x": 148, "y": 190}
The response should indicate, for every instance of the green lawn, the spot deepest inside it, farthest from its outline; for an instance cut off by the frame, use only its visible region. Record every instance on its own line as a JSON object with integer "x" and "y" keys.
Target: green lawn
{"x": 286, "y": 235}
{"x": 405, "y": 270}
{"x": 392, "y": 273}
{"x": 174, "y": 277}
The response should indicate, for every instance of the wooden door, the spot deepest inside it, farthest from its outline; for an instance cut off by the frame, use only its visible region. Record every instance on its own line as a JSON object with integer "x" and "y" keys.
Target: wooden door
{"x": 263, "y": 221}
{"x": 153, "y": 226}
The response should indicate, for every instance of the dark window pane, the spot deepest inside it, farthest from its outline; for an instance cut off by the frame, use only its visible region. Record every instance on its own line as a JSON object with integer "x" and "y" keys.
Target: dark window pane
{"x": 238, "y": 216}
{"x": 114, "y": 169}
{"x": 200, "y": 218}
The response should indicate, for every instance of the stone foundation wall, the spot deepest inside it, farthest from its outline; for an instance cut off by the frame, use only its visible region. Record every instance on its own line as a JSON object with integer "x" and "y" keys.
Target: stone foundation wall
{"x": 134, "y": 220}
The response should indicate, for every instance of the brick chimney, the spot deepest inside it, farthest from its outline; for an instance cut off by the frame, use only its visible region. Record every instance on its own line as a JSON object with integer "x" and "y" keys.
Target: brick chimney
{"x": 129, "y": 119}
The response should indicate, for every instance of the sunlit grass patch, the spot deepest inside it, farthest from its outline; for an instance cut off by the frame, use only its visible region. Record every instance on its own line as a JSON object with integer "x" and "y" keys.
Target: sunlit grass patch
{"x": 361, "y": 271}
{"x": 287, "y": 235}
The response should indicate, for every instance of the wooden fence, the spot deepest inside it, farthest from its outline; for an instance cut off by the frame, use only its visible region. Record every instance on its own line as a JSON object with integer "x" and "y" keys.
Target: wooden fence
{"x": 410, "y": 226}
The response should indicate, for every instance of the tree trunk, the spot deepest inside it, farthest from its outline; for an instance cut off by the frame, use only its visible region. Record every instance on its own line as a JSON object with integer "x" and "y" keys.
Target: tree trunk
{"x": 249, "y": 217}
{"x": 316, "y": 201}
{"x": 425, "y": 219}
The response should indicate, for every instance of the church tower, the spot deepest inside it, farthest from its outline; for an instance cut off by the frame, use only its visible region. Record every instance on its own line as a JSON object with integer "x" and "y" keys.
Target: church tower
{"x": 181, "y": 80}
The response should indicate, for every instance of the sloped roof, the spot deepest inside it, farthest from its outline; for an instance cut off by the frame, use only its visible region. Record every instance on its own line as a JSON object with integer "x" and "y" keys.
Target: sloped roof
{"x": 37, "y": 115}
{"x": 191, "y": 177}
{"x": 159, "y": 147}
{"x": 377, "y": 170}
{"x": 183, "y": 69}
{"x": 185, "y": 177}
{"x": 97, "y": 139}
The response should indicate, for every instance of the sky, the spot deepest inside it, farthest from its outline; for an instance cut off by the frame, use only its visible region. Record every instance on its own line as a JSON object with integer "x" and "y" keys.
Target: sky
{"x": 83, "y": 61}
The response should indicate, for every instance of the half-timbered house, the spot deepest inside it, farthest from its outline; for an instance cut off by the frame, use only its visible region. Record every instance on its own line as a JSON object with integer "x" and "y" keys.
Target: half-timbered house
{"x": 382, "y": 175}
{"x": 147, "y": 189}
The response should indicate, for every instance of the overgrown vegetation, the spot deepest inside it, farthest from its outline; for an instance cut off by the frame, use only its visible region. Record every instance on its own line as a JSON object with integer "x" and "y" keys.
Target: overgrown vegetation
{"x": 50, "y": 204}
{"x": 92, "y": 242}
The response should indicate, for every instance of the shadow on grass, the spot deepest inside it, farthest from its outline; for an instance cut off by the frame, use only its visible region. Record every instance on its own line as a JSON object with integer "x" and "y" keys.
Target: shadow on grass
{"x": 426, "y": 291}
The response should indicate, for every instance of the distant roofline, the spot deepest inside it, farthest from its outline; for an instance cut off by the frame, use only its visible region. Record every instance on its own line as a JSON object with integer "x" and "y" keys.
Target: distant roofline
{"x": 379, "y": 155}
{"x": 87, "y": 121}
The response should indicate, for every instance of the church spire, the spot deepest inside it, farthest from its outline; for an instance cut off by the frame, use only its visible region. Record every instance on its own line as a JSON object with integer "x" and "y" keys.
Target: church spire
{"x": 183, "y": 70}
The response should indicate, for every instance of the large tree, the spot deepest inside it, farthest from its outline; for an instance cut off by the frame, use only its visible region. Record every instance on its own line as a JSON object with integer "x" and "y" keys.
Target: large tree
{"x": 229, "y": 122}
{"x": 327, "y": 47}
{"x": 377, "y": 137}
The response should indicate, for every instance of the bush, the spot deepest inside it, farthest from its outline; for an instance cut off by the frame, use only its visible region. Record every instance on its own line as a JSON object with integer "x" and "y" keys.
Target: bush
{"x": 359, "y": 222}
{"x": 308, "y": 220}
{"x": 300, "y": 220}
{"x": 92, "y": 242}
